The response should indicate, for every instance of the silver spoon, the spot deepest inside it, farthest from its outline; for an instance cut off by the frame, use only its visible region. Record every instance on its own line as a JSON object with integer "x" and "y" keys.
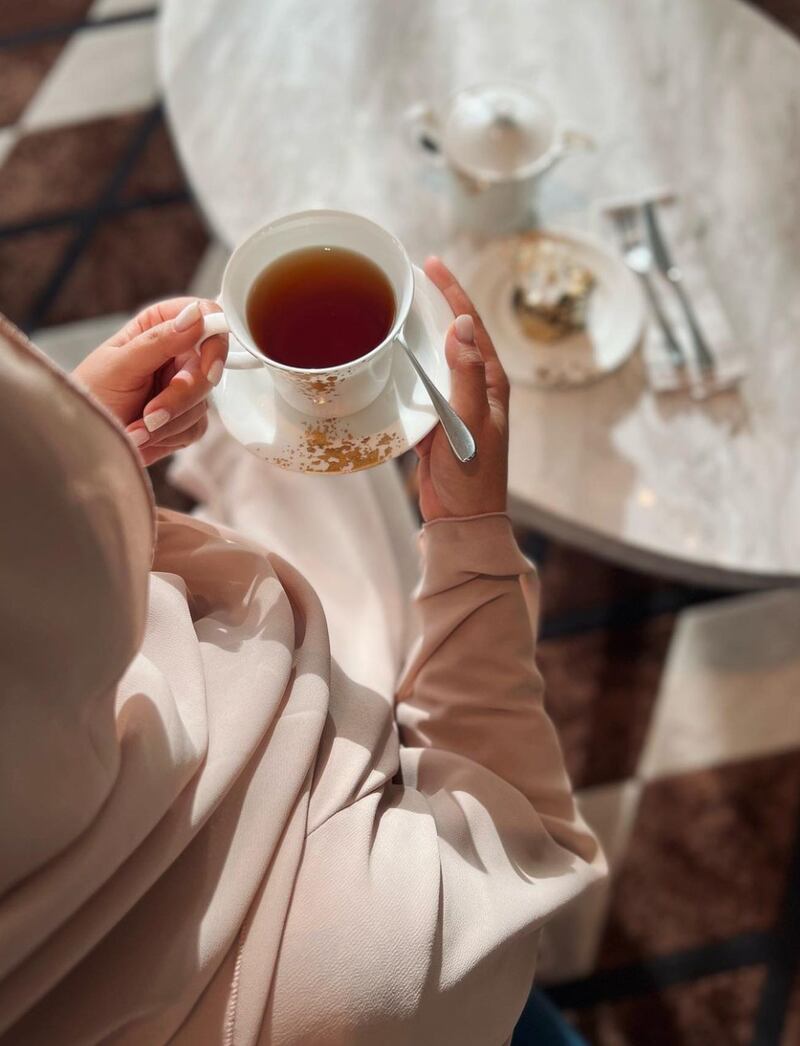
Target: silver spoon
{"x": 458, "y": 435}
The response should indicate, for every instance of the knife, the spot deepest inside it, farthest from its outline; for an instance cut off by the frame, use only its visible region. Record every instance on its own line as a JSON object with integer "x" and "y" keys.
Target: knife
{"x": 674, "y": 276}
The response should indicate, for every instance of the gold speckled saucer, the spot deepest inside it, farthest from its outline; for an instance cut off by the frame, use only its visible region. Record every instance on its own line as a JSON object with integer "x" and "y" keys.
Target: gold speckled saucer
{"x": 259, "y": 418}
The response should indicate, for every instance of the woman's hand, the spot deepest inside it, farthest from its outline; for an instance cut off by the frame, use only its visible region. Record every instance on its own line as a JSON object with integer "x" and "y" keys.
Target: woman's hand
{"x": 480, "y": 397}
{"x": 150, "y": 377}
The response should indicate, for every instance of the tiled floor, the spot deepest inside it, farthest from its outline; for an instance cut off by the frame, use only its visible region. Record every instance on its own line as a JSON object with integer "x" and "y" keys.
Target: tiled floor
{"x": 719, "y": 1009}
{"x": 681, "y": 727}
{"x": 602, "y": 685}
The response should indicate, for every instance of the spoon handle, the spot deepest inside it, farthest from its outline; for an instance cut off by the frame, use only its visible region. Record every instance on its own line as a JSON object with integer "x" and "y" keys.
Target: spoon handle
{"x": 458, "y": 435}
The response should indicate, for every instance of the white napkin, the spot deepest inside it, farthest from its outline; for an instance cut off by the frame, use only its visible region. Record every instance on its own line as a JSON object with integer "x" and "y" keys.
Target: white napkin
{"x": 663, "y": 376}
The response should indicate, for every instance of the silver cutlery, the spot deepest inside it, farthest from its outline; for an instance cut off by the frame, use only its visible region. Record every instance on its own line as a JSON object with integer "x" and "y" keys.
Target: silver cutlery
{"x": 673, "y": 274}
{"x": 639, "y": 258}
{"x": 458, "y": 435}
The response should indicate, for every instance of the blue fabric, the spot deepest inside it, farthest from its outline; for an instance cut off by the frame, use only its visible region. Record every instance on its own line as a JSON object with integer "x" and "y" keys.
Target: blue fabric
{"x": 541, "y": 1024}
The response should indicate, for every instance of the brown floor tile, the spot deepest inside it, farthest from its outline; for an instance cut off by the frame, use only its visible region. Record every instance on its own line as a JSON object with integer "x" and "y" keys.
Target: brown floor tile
{"x": 601, "y": 687}
{"x": 17, "y": 16}
{"x": 62, "y": 169}
{"x": 22, "y": 69}
{"x": 573, "y": 580}
{"x": 791, "y": 1029}
{"x": 714, "y": 1011}
{"x": 787, "y": 13}
{"x": 158, "y": 169}
{"x": 26, "y": 263}
{"x": 132, "y": 259}
{"x": 707, "y": 858}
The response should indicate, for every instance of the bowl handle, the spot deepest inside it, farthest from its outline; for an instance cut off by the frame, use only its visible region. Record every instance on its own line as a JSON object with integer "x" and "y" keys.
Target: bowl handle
{"x": 423, "y": 132}
{"x": 569, "y": 141}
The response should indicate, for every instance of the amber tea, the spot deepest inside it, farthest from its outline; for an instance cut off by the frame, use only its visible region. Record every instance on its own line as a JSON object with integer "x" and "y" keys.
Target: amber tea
{"x": 320, "y": 307}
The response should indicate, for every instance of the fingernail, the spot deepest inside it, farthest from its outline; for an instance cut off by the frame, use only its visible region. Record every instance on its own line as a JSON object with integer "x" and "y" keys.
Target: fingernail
{"x": 465, "y": 329}
{"x": 156, "y": 420}
{"x": 187, "y": 317}
{"x": 139, "y": 437}
{"x": 185, "y": 376}
{"x": 215, "y": 372}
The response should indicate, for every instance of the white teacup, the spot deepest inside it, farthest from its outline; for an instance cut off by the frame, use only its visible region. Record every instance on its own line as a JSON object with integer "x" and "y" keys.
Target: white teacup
{"x": 331, "y": 391}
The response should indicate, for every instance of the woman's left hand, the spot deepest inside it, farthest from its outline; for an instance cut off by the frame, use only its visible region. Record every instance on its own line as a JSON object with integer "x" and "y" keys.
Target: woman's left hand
{"x": 152, "y": 379}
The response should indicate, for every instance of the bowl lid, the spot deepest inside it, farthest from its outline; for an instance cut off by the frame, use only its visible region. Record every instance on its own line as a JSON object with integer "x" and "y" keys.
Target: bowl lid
{"x": 495, "y": 132}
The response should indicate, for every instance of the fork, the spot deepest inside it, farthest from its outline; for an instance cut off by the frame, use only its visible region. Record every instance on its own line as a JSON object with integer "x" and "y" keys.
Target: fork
{"x": 639, "y": 259}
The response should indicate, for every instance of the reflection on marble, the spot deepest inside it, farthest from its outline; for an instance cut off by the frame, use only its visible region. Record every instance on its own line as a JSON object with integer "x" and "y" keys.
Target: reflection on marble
{"x": 730, "y": 686}
{"x": 294, "y": 104}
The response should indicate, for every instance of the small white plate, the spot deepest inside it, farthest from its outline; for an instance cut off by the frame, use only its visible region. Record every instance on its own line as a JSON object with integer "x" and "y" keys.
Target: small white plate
{"x": 259, "y": 418}
{"x": 615, "y": 319}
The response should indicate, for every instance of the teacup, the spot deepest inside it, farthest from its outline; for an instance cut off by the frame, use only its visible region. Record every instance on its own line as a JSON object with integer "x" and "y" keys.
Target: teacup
{"x": 328, "y": 392}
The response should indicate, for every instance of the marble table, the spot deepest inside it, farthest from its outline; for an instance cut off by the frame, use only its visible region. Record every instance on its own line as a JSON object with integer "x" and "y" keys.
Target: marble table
{"x": 278, "y": 105}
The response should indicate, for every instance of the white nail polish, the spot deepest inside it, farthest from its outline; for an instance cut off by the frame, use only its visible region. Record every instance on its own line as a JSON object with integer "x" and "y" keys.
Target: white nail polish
{"x": 156, "y": 420}
{"x": 187, "y": 317}
{"x": 215, "y": 372}
{"x": 185, "y": 376}
{"x": 465, "y": 329}
{"x": 139, "y": 437}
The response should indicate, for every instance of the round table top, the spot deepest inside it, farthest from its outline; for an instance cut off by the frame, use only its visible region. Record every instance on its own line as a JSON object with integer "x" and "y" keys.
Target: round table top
{"x": 280, "y": 105}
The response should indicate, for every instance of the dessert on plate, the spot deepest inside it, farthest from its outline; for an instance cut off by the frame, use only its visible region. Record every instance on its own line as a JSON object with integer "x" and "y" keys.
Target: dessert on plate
{"x": 551, "y": 289}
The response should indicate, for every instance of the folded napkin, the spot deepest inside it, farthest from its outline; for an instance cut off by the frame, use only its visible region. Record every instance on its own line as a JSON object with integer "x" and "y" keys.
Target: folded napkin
{"x": 663, "y": 375}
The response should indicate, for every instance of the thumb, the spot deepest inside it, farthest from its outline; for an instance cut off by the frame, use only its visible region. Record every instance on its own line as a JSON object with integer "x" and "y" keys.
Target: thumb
{"x": 150, "y": 350}
{"x": 468, "y": 396}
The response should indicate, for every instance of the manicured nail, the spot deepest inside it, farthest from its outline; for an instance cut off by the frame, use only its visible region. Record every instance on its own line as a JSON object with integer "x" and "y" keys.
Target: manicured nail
{"x": 156, "y": 420}
{"x": 139, "y": 437}
{"x": 187, "y": 317}
{"x": 184, "y": 375}
{"x": 215, "y": 372}
{"x": 465, "y": 329}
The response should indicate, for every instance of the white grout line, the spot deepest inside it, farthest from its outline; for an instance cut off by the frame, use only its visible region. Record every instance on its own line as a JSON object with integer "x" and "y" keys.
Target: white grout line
{"x": 114, "y": 8}
{"x": 8, "y": 138}
{"x": 102, "y": 71}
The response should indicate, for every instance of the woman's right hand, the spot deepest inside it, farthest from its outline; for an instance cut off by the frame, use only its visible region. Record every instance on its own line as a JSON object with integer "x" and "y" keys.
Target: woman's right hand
{"x": 479, "y": 396}
{"x": 153, "y": 377}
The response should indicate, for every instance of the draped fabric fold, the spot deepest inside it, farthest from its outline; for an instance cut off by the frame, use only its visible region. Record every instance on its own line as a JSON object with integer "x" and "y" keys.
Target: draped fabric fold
{"x": 225, "y": 817}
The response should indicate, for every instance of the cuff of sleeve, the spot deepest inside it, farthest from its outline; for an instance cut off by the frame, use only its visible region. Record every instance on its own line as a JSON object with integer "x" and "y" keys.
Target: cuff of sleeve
{"x": 457, "y": 549}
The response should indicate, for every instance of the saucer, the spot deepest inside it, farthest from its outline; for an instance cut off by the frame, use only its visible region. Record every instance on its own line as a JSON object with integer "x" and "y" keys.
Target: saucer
{"x": 256, "y": 415}
{"x": 614, "y": 323}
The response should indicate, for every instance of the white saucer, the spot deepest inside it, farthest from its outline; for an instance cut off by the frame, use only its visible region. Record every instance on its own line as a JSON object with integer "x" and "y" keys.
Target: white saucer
{"x": 259, "y": 418}
{"x": 616, "y": 315}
